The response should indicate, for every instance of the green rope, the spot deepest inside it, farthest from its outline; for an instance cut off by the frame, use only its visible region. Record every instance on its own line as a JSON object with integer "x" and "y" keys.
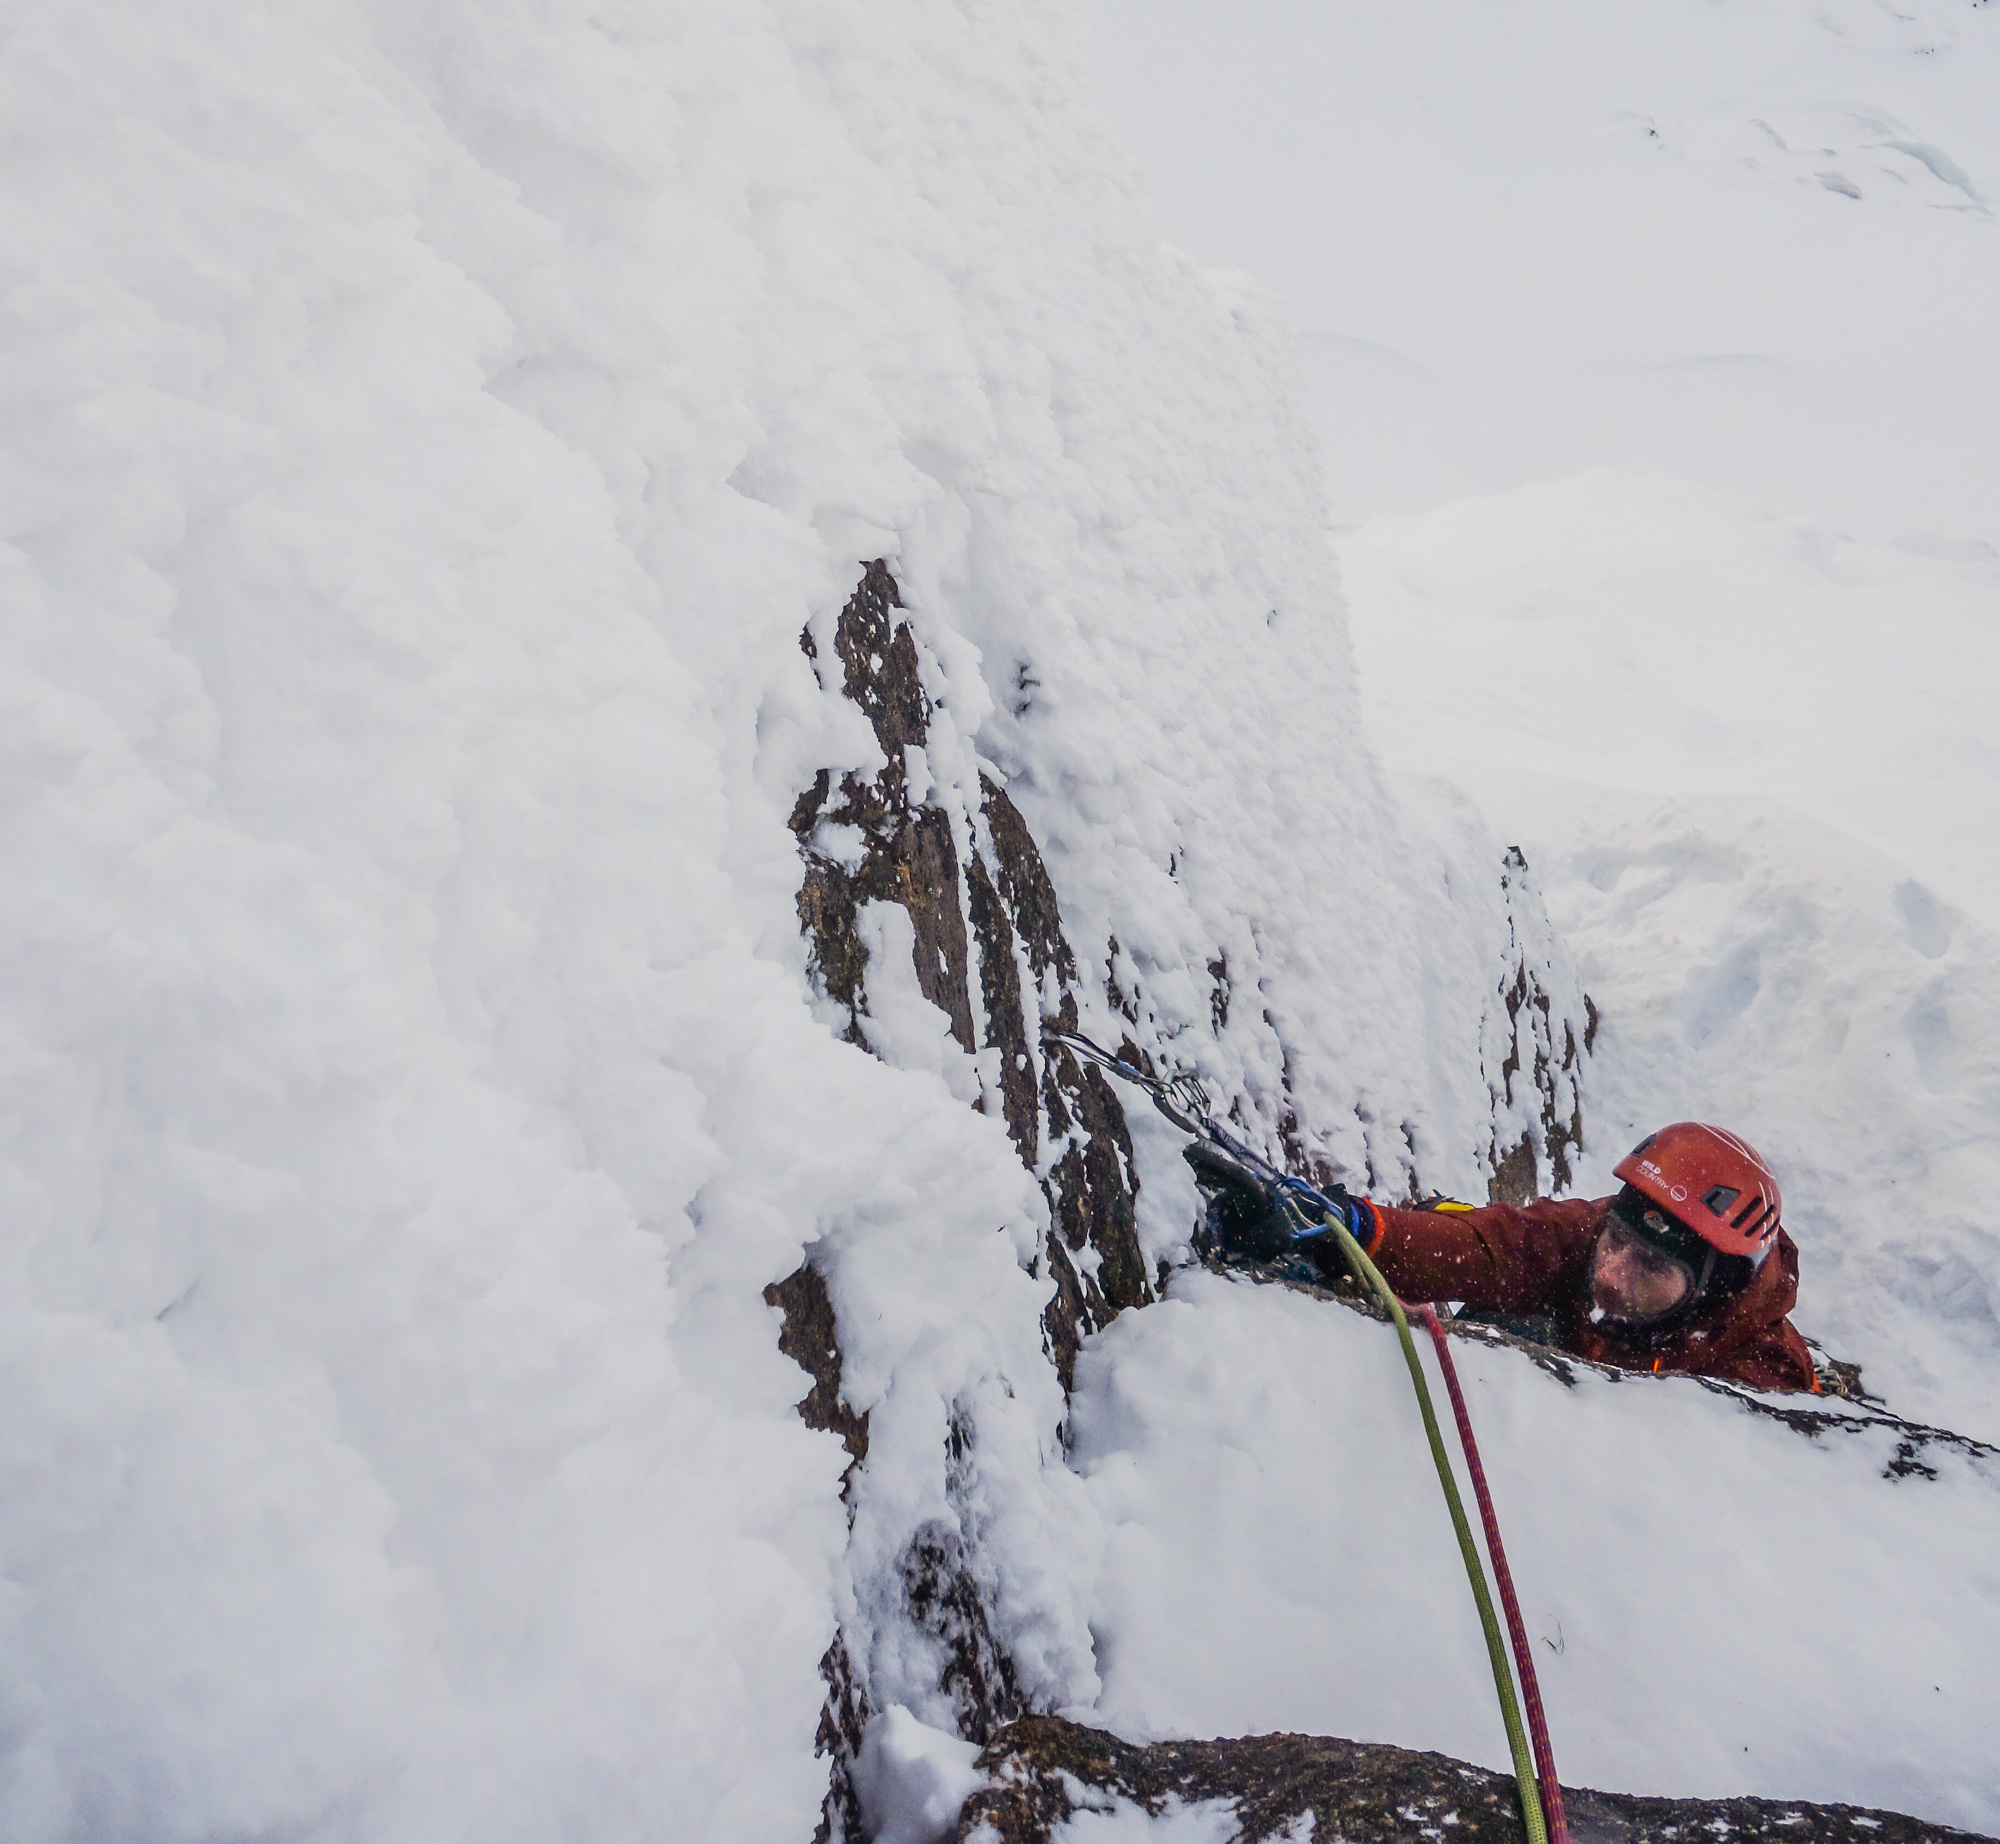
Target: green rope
{"x": 1475, "y": 1569}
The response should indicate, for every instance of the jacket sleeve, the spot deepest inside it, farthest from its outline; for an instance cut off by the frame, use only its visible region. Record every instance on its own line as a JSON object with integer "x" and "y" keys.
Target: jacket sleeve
{"x": 1777, "y": 1359}
{"x": 1522, "y": 1260}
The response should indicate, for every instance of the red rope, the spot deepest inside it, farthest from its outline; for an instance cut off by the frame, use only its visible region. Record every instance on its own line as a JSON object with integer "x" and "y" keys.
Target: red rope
{"x": 1517, "y": 1633}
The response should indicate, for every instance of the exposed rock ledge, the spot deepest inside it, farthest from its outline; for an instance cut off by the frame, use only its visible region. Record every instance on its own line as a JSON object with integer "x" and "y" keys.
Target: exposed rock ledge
{"x": 1044, "y": 1770}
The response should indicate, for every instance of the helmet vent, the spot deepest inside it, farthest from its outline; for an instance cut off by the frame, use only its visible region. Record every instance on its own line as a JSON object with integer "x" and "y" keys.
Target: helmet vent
{"x": 1719, "y": 1198}
{"x": 1762, "y": 1221}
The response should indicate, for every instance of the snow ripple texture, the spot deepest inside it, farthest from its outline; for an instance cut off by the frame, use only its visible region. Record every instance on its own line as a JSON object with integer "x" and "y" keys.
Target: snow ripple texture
{"x": 427, "y": 433}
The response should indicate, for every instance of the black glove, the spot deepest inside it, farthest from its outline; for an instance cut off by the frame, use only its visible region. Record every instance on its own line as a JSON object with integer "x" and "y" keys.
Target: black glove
{"x": 1245, "y": 1218}
{"x": 1243, "y": 1213}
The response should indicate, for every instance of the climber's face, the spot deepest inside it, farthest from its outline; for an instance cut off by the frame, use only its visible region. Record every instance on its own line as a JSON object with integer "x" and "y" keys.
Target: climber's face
{"x": 1632, "y": 1279}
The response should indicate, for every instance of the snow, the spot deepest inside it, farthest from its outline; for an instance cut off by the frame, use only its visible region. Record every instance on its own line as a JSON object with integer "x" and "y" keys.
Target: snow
{"x": 1759, "y": 827}
{"x": 1521, "y": 244}
{"x": 428, "y": 434}
{"x": 1625, "y": 629}
{"x": 913, "y": 1779}
{"x": 1119, "y": 1821}
{"x": 1719, "y": 1604}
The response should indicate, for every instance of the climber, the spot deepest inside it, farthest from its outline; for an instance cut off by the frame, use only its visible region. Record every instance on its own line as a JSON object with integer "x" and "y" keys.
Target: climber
{"x": 1686, "y": 1269}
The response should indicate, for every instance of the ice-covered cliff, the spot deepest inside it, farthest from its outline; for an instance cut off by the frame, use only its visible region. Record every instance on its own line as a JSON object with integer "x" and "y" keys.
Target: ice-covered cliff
{"x": 429, "y": 434}
{"x": 606, "y": 606}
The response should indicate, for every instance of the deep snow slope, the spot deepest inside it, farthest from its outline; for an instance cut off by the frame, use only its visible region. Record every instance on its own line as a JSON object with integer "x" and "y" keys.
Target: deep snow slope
{"x": 1719, "y": 1602}
{"x": 429, "y": 433}
{"x": 1749, "y": 243}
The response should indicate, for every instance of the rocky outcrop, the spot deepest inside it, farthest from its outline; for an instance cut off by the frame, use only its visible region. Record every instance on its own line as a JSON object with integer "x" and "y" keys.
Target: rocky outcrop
{"x": 809, "y": 1336}
{"x": 930, "y": 834}
{"x": 978, "y": 1675}
{"x": 1043, "y": 1771}
{"x": 989, "y": 953}
{"x": 1541, "y": 1062}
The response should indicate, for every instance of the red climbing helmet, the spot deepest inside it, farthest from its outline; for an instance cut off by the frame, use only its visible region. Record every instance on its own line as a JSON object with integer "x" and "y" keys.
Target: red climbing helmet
{"x": 1710, "y": 1180}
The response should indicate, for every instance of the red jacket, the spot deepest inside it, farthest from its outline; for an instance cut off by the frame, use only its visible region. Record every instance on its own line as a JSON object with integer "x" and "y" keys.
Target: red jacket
{"x": 1536, "y": 1259}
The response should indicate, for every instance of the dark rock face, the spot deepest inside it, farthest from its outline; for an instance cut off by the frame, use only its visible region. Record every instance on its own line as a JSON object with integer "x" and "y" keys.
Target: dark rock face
{"x": 1516, "y": 1177}
{"x": 843, "y": 1725}
{"x": 1043, "y": 1770}
{"x": 810, "y": 1338}
{"x": 1094, "y": 1194}
{"x": 994, "y": 981}
{"x": 908, "y": 856}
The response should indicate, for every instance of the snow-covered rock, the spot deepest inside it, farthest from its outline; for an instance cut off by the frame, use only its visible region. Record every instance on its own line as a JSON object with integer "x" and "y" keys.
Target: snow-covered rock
{"x": 428, "y": 432}
{"x": 429, "y": 435}
{"x": 1046, "y": 1781}
{"x": 938, "y": 943}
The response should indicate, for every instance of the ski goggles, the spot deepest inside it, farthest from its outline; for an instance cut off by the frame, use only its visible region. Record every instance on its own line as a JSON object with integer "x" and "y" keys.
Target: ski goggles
{"x": 1660, "y": 1267}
